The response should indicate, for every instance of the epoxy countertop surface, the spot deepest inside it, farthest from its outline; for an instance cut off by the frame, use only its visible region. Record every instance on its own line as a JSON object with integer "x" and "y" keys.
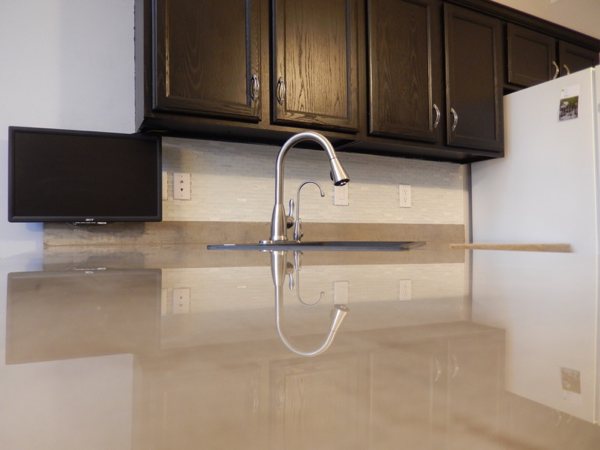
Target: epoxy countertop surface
{"x": 177, "y": 348}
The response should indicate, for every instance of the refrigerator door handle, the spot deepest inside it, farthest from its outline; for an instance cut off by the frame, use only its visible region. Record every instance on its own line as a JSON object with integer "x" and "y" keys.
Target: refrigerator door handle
{"x": 567, "y": 69}
{"x": 556, "y": 70}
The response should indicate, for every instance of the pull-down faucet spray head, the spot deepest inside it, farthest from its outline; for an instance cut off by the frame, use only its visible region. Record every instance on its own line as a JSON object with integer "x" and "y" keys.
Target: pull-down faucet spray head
{"x": 338, "y": 174}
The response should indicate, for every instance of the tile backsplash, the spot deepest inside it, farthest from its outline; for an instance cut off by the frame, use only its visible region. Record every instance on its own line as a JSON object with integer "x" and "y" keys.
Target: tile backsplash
{"x": 235, "y": 182}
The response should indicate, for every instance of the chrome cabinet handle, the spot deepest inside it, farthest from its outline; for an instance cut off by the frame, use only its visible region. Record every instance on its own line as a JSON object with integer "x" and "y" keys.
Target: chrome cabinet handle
{"x": 556, "y": 70}
{"x": 454, "y": 118}
{"x": 567, "y": 69}
{"x": 280, "y": 90}
{"x": 438, "y": 116}
{"x": 254, "y": 87}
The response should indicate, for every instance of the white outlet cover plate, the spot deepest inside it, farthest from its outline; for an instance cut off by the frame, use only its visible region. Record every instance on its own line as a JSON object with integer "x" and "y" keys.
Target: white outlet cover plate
{"x": 182, "y": 186}
{"x": 405, "y": 195}
{"x": 340, "y": 195}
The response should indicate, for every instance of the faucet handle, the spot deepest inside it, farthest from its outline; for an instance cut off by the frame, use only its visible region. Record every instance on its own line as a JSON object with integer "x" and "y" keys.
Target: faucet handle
{"x": 298, "y": 233}
{"x": 289, "y": 219}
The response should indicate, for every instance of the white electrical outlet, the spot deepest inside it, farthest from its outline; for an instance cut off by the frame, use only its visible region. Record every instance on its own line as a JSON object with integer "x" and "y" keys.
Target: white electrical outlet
{"x": 340, "y": 195}
{"x": 405, "y": 290}
{"x": 182, "y": 186}
{"x": 165, "y": 185}
{"x": 181, "y": 301}
{"x": 405, "y": 195}
{"x": 340, "y": 292}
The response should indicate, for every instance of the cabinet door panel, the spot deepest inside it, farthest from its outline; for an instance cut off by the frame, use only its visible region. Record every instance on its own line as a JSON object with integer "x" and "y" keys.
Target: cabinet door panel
{"x": 206, "y": 56}
{"x": 315, "y": 74}
{"x": 530, "y": 56}
{"x": 574, "y": 58}
{"x": 473, "y": 87}
{"x": 404, "y": 68}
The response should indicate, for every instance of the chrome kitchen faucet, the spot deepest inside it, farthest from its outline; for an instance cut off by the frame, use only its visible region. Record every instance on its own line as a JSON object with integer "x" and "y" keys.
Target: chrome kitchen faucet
{"x": 280, "y": 221}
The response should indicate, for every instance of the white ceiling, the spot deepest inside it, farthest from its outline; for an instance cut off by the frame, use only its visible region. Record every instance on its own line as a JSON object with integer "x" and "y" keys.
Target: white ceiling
{"x": 579, "y": 15}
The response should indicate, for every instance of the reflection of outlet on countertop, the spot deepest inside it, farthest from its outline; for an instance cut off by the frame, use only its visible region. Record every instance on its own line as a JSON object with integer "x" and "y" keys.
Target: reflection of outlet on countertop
{"x": 405, "y": 290}
{"x": 181, "y": 302}
{"x": 340, "y": 292}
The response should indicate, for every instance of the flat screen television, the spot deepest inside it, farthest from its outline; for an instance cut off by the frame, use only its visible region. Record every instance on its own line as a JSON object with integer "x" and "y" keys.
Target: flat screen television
{"x": 83, "y": 177}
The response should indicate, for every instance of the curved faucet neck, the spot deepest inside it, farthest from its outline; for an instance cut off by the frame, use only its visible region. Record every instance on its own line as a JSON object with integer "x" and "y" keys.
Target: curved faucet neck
{"x": 291, "y": 142}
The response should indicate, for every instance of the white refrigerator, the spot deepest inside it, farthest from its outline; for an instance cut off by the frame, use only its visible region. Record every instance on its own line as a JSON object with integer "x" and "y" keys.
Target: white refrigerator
{"x": 546, "y": 187}
{"x": 545, "y": 190}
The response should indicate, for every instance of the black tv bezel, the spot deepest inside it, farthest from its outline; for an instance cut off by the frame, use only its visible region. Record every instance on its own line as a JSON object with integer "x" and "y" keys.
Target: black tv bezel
{"x": 79, "y": 220}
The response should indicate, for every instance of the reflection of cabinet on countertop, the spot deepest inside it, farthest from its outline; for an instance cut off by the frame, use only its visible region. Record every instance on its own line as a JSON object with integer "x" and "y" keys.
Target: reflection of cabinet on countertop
{"x": 429, "y": 386}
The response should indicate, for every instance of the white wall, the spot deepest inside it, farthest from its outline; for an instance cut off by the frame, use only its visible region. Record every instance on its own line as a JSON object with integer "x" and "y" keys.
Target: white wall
{"x": 66, "y": 64}
{"x": 579, "y": 15}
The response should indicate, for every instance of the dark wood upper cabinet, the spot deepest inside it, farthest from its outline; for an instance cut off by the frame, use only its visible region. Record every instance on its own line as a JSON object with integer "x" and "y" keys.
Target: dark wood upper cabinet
{"x": 416, "y": 78}
{"x": 473, "y": 73}
{"x": 314, "y": 78}
{"x": 531, "y": 56}
{"x": 207, "y": 58}
{"x": 405, "y": 83}
{"x": 574, "y": 58}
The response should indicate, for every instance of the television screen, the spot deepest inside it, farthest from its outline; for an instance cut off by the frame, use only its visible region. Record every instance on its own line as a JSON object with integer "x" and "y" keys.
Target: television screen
{"x": 83, "y": 177}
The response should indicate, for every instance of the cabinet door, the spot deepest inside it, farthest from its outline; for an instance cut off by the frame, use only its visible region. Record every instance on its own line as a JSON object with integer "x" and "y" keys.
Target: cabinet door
{"x": 207, "y": 58}
{"x": 531, "y": 56}
{"x": 574, "y": 58}
{"x": 315, "y": 63}
{"x": 473, "y": 74}
{"x": 404, "y": 69}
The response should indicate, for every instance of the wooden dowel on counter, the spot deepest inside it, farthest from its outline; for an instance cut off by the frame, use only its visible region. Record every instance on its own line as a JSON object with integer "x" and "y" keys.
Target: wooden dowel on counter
{"x": 559, "y": 248}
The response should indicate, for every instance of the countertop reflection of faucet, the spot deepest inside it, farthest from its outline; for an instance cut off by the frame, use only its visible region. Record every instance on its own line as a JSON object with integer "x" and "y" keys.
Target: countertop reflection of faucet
{"x": 280, "y": 221}
{"x": 279, "y": 269}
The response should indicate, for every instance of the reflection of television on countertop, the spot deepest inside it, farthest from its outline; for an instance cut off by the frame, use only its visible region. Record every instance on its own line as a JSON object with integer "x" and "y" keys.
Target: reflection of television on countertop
{"x": 83, "y": 177}
{"x": 81, "y": 312}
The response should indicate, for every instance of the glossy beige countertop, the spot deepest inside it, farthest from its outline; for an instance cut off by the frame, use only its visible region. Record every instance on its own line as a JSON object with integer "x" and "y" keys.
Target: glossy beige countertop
{"x": 177, "y": 348}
